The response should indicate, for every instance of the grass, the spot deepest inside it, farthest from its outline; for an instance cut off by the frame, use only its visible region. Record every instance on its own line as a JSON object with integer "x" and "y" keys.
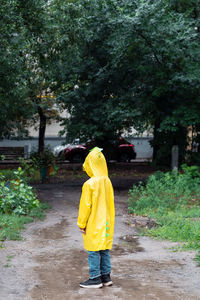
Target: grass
{"x": 11, "y": 225}
{"x": 173, "y": 199}
{"x": 180, "y": 225}
{"x": 9, "y": 257}
{"x": 18, "y": 204}
{"x": 197, "y": 258}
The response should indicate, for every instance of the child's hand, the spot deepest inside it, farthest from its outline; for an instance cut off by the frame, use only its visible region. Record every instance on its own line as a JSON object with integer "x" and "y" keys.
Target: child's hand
{"x": 82, "y": 230}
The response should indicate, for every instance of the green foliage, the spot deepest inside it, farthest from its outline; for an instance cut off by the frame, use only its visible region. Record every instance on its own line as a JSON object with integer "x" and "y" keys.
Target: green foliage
{"x": 38, "y": 212}
{"x": 42, "y": 159}
{"x": 16, "y": 196}
{"x": 31, "y": 172}
{"x": 134, "y": 64}
{"x": 11, "y": 225}
{"x": 13, "y": 83}
{"x": 18, "y": 204}
{"x": 197, "y": 258}
{"x": 38, "y": 161}
{"x": 191, "y": 171}
{"x": 179, "y": 226}
{"x": 173, "y": 199}
{"x": 8, "y": 174}
{"x": 93, "y": 79}
{"x": 167, "y": 190}
{"x": 28, "y": 59}
{"x": 115, "y": 63}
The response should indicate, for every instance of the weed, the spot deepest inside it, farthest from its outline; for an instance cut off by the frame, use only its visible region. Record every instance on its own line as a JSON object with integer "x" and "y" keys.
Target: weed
{"x": 17, "y": 197}
{"x": 18, "y": 205}
{"x": 197, "y": 258}
{"x": 80, "y": 175}
{"x": 9, "y": 257}
{"x": 113, "y": 174}
{"x": 38, "y": 212}
{"x": 173, "y": 199}
{"x": 2, "y": 245}
{"x": 11, "y": 225}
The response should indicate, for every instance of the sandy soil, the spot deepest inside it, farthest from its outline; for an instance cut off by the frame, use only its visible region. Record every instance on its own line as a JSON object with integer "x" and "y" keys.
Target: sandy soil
{"x": 50, "y": 261}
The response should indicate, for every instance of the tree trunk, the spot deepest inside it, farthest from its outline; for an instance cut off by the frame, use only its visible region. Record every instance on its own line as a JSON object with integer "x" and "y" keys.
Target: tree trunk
{"x": 42, "y": 129}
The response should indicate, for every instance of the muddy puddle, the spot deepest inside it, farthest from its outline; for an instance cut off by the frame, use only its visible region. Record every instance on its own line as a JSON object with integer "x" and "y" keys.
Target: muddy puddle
{"x": 54, "y": 232}
{"x": 59, "y": 277}
{"x": 127, "y": 244}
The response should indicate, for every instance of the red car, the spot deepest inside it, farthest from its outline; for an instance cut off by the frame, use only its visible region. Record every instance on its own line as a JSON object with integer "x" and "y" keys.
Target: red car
{"x": 120, "y": 150}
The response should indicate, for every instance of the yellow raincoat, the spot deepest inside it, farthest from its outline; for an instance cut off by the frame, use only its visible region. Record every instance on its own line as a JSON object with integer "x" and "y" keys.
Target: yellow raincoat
{"x": 96, "y": 210}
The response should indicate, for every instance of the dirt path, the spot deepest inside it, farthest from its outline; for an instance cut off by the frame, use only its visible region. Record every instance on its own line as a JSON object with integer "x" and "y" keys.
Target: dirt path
{"x": 50, "y": 262}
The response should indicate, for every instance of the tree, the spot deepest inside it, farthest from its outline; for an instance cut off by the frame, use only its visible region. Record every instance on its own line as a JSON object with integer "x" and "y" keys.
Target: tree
{"x": 163, "y": 52}
{"x": 137, "y": 65}
{"x": 91, "y": 95}
{"x": 40, "y": 58}
{"x": 112, "y": 64}
{"x": 13, "y": 87}
{"x": 28, "y": 66}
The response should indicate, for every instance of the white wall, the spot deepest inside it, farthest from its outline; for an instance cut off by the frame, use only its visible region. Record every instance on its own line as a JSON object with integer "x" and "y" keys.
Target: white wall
{"x": 142, "y": 146}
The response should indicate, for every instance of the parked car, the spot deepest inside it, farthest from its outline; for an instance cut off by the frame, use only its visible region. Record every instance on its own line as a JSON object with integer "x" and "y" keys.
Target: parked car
{"x": 59, "y": 150}
{"x": 120, "y": 150}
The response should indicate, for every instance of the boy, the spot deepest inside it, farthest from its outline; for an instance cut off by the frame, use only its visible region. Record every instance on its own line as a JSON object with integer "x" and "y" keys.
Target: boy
{"x": 96, "y": 219}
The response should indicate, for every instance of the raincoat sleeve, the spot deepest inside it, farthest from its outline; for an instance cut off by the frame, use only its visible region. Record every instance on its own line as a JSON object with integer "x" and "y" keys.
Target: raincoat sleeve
{"x": 85, "y": 205}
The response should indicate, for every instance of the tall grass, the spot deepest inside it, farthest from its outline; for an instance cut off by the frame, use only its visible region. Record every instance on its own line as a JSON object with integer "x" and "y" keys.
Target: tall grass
{"x": 18, "y": 204}
{"x": 173, "y": 199}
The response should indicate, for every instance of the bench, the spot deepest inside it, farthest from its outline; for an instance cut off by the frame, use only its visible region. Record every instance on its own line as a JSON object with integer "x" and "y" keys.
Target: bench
{"x": 12, "y": 153}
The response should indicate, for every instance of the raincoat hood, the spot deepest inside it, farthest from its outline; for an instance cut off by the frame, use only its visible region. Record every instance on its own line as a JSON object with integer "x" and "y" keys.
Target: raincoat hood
{"x": 95, "y": 163}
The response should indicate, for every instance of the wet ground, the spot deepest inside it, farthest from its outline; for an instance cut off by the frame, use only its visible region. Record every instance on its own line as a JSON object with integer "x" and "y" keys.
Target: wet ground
{"x": 50, "y": 261}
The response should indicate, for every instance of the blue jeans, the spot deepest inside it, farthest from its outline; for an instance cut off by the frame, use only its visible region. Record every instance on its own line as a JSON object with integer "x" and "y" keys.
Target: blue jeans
{"x": 99, "y": 263}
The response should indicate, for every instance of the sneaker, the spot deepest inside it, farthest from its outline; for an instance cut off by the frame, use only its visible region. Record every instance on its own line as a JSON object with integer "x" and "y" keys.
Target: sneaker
{"x": 94, "y": 283}
{"x": 106, "y": 280}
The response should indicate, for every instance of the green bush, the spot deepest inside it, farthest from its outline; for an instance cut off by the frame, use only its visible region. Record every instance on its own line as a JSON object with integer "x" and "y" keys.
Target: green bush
{"x": 43, "y": 159}
{"x": 8, "y": 174}
{"x": 173, "y": 199}
{"x": 16, "y": 196}
{"x": 33, "y": 168}
{"x": 166, "y": 190}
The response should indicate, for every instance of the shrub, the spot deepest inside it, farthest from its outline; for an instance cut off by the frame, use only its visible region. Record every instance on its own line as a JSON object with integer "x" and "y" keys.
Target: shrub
{"x": 167, "y": 190}
{"x": 173, "y": 199}
{"x": 8, "y": 174}
{"x": 16, "y": 196}
{"x": 43, "y": 159}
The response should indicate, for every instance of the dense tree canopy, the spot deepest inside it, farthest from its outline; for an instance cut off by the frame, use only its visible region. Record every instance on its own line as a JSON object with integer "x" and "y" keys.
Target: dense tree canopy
{"x": 28, "y": 66}
{"x": 112, "y": 64}
{"x": 13, "y": 91}
{"x": 137, "y": 64}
